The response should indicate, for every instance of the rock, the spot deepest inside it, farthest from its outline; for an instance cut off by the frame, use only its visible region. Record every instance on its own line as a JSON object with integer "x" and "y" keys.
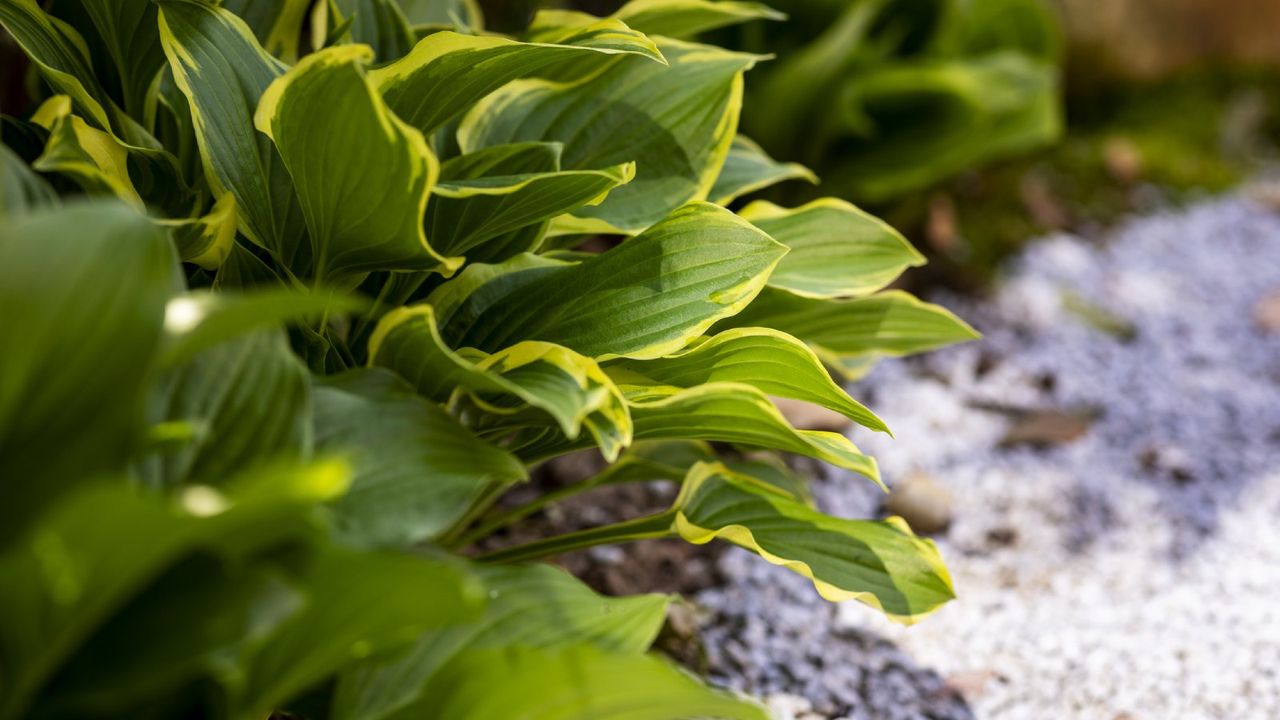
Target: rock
{"x": 1044, "y": 428}
{"x": 922, "y": 502}
{"x": 807, "y": 416}
{"x": 971, "y": 684}
{"x": 1123, "y": 160}
{"x": 1266, "y": 313}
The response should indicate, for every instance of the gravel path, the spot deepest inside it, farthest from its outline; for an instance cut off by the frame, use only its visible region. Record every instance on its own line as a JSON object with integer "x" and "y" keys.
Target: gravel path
{"x": 1132, "y": 573}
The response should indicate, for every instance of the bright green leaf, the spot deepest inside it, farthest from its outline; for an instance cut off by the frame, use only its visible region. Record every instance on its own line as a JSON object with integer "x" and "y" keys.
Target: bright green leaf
{"x": 836, "y": 249}
{"x": 676, "y": 122}
{"x": 416, "y": 470}
{"x": 769, "y": 360}
{"x": 567, "y": 386}
{"x": 880, "y": 563}
{"x": 686, "y": 18}
{"x": 644, "y": 298}
{"x": 447, "y": 72}
{"x": 364, "y": 211}
{"x": 221, "y": 68}
{"x": 533, "y": 605}
{"x": 889, "y": 323}
{"x": 749, "y": 168}
{"x": 500, "y": 190}
{"x": 575, "y": 683}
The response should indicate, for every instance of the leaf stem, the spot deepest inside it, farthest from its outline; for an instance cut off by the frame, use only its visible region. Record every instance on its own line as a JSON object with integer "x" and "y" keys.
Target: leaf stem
{"x": 651, "y": 526}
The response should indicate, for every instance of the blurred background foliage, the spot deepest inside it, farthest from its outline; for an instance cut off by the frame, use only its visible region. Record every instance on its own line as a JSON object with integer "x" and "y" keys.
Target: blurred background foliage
{"x": 974, "y": 125}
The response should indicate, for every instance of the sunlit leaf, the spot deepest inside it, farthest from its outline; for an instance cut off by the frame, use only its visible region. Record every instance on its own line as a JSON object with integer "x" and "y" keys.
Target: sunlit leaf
{"x": 878, "y": 562}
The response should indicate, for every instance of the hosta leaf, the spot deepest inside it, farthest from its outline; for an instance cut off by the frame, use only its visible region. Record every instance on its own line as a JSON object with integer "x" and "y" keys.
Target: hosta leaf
{"x": 222, "y": 70}
{"x": 710, "y": 264}
{"x": 380, "y": 24}
{"x": 416, "y": 470}
{"x": 21, "y": 189}
{"x": 135, "y": 663}
{"x": 493, "y": 192}
{"x": 570, "y": 387}
{"x": 889, "y": 323}
{"x": 206, "y": 241}
{"x": 364, "y": 211}
{"x": 75, "y": 569}
{"x": 127, "y": 29}
{"x": 749, "y": 168}
{"x": 276, "y": 23}
{"x": 836, "y": 249}
{"x": 880, "y": 563}
{"x": 463, "y": 14}
{"x": 89, "y": 156}
{"x": 769, "y": 360}
{"x": 533, "y": 605}
{"x": 60, "y": 53}
{"x": 686, "y": 18}
{"x": 361, "y": 604}
{"x": 248, "y": 401}
{"x": 722, "y": 411}
{"x": 677, "y": 121}
{"x": 447, "y": 72}
{"x": 576, "y": 682}
{"x": 199, "y": 321}
{"x": 78, "y": 344}
{"x": 567, "y": 386}
{"x": 738, "y": 413}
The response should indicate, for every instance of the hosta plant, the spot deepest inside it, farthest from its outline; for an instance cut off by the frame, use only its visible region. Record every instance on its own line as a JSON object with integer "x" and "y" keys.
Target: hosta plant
{"x": 886, "y": 97}
{"x": 293, "y": 293}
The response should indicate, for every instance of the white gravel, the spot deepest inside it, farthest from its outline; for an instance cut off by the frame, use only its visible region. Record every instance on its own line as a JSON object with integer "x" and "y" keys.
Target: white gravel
{"x": 1133, "y": 573}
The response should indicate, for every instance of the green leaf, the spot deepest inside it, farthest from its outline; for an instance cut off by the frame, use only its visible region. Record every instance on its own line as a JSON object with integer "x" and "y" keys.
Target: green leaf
{"x": 676, "y": 121}
{"x": 889, "y": 323}
{"x": 79, "y": 345}
{"x": 915, "y": 124}
{"x": 361, "y": 604}
{"x": 446, "y": 73}
{"x": 462, "y": 14}
{"x": 576, "y": 682}
{"x": 221, "y": 68}
{"x": 836, "y": 249}
{"x": 128, "y": 31}
{"x": 534, "y": 605}
{"x": 749, "y": 168}
{"x": 92, "y": 158}
{"x": 497, "y": 191}
{"x": 380, "y": 24}
{"x": 687, "y": 18}
{"x": 61, "y": 55}
{"x": 570, "y": 388}
{"x": 739, "y": 413}
{"x": 199, "y": 321}
{"x": 21, "y": 189}
{"x": 642, "y": 299}
{"x": 768, "y": 360}
{"x": 103, "y": 543}
{"x": 364, "y": 212}
{"x": 416, "y": 469}
{"x": 206, "y": 241}
{"x": 276, "y": 23}
{"x": 722, "y": 411}
{"x": 880, "y": 563}
{"x": 248, "y": 402}
{"x": 137, "y": 666}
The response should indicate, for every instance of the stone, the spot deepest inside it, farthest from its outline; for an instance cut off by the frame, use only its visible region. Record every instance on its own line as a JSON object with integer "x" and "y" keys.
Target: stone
{"x": 922, "y": 502}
